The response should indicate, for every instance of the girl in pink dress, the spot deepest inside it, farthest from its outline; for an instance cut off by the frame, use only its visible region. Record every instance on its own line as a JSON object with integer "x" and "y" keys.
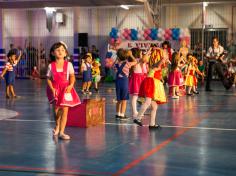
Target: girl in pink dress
{"x": 60, "y": 90}
{"x": 140, "y": 71}
{"x": 175, "y": 78}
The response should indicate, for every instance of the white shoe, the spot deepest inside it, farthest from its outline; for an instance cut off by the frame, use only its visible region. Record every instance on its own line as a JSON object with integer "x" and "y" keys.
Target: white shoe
{"x": 175, "y": 97}
{"x": 88, "y": 92}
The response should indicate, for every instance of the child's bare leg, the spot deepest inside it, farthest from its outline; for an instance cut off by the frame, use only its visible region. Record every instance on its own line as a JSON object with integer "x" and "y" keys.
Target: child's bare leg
{"x": 84, "y": 86}
{"x": 177, "y": 90}
{"x": 118, "y": 108}
{"x": 58, "y": 114}
{"x": 96, "y": 85}
{"x": 12, "y": 90}
{"x": 88, "y": 85}
{"x": 63, "y": 123}
{"x": 173, "y": 91}
{"x": 153, "y": 113}
{"x": 189, "y": 88}
{"x": 123, "y": 108}
{"x": 8, "y": 91}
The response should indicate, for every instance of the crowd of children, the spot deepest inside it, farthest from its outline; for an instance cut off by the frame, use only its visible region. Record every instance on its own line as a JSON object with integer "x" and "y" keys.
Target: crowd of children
{"x": 138, "y": 74}
{"x": 144, "y": 74}
{"x": 90, "y": 69}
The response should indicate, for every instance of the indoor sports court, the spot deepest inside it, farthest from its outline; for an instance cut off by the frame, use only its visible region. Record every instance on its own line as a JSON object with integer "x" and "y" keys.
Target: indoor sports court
{"x": 113, "y": 88}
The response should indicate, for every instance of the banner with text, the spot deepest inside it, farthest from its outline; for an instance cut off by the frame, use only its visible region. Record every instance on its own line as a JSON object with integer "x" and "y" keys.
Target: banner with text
{"x": 146, "y": 44}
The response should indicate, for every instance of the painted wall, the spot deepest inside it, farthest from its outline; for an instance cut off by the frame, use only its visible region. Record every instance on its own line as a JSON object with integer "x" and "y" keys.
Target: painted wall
{"x": 30, "y": 25}
{"x": 99, "y": 21}
{"x": 218, "y": 15}
{"x": 23, "y": 26}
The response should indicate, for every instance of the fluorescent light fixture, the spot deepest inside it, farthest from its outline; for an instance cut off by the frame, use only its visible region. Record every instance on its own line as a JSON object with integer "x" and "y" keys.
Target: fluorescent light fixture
{"x": 205, "y": 4}
{"x": 124, "y": 7}
{"x": 50, "y": 9}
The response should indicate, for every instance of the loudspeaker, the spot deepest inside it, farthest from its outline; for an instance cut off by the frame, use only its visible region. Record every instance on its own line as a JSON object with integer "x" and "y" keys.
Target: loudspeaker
{"x": 83, "y": 39}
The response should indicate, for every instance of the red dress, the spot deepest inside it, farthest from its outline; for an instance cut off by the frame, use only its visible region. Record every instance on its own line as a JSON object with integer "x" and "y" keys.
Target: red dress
{"x": 60, "y": 82}
{"x": 152, "y": 87}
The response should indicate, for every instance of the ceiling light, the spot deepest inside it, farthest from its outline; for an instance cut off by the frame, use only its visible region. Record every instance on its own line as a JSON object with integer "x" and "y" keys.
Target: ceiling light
{"x": 50, "y": 9}
{"x": 141, "y": 0}
{"x": 205, "y": 4}
{"x": 124, "y": 7}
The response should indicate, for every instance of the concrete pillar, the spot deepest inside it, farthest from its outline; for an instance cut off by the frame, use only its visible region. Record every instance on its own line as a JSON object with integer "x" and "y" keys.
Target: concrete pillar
{"x": 1, "y": 28}
{"x": 76, "y": 25}
{"x": 2, "y": 51}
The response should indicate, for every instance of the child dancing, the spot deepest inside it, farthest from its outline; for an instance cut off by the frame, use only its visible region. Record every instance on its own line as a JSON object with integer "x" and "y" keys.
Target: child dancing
{"x": 122, "y": 68}
{"x": 9, "y": 73}
{"x": 153, "y": 90}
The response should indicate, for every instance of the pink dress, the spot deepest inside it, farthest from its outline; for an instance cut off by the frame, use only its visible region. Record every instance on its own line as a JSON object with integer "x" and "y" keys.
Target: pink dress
{"x": 175, "y": 78}
{"x": 60, "y": 82}
{"x": 136, "y": 78}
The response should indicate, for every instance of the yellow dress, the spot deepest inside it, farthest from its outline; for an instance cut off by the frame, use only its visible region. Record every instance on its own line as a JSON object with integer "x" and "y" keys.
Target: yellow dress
{"x": 96, "y": 74}
{"x": 189, "y": 81}
{"x": 153, "y": 87}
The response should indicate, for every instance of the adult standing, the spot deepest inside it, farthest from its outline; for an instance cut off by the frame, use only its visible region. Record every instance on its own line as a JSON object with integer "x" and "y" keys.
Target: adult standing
{"x": 95, "y": 52}
{"x": 232, "y": 51}
{"x": 184, "y": 50}
{"x": 215, "y": 55}
{"x": 13, "y": 49}
{"x": 31, "y": 55}
{"x": 42, "y": 53}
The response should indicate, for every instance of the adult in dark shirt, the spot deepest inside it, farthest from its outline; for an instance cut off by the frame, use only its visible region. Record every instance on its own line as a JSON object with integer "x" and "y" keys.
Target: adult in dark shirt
{"x": 31, "y": 56}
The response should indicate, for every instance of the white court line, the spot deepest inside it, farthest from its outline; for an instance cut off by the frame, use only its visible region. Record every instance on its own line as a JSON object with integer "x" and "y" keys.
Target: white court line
{"x": 168, "y": 126}
{"x": 129, "y": 124}
{"x": 215, "y": 105}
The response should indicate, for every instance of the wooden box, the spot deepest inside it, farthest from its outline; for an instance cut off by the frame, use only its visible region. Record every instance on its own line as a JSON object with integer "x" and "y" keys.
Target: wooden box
{"x": 90, "y": 113}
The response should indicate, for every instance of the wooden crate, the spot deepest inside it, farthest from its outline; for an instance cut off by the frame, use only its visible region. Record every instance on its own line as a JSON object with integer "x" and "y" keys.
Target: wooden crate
{"x": 90, "y": 113}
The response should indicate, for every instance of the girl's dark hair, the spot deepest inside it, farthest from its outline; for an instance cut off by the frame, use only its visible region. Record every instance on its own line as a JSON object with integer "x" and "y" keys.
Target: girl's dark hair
{"x": 121, "y": 54}
{"x": 213, "y": 38}
{"x": 10, "y": 53}
{"x": 136, "y": 52}
{"x": 174, "y": 61}
{"x": 166, "y": 43}
{"x": 54, "y": 47}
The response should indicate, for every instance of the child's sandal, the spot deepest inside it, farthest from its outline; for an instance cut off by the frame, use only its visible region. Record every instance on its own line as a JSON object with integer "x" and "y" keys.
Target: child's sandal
{"x": 154, "y": 127}
{"x": 64, "y": 137}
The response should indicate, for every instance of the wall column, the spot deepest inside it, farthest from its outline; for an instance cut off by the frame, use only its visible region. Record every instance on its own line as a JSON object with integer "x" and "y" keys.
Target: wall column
{"x": 1, "y": 28}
